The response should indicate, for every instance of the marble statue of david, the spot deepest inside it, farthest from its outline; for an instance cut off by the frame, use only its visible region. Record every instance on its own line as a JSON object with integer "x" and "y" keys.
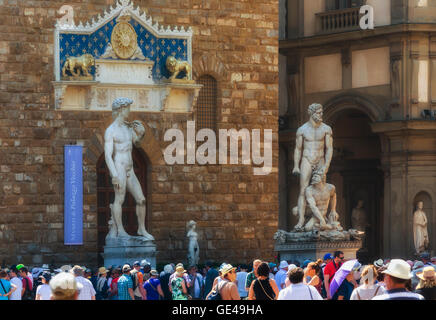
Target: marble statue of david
{"x": 118, "y": 143}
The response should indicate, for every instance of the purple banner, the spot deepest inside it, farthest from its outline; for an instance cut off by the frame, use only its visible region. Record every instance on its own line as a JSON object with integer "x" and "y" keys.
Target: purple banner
{"x": 73, "y": 197}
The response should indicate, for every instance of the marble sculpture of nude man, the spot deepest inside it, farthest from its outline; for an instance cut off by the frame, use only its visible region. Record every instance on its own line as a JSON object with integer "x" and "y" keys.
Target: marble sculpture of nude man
{"x": 119, "y": 139}
{"x": 313, "y": 152}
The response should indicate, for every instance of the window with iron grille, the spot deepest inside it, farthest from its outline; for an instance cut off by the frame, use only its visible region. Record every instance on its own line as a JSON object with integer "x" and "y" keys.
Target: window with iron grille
{"x": 207, "y": 104}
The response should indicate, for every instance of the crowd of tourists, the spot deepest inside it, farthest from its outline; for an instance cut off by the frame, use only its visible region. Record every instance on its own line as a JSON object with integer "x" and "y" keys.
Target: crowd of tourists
{"x": 330, "y": 278}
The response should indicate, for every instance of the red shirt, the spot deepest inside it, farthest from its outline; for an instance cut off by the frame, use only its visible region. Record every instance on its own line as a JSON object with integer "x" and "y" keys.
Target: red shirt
{"x": 26, "y": 281}
{"x": 330, "y": 269}
{"x": 114, "y": 281}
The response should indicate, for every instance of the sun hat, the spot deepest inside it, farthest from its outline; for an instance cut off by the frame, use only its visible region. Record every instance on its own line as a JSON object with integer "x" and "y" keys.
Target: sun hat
{"x": 378, "y": 263}
{"x": 126, "y": 267}
{"x": 222, "y": 266}
{"x": 291, "y": 267}
{"x": 427, "y": 274}
{"x": 399, "y": 269}
{"x": 226, "y": 269}
{"x": 66, "y": 268}
{"x": 36, "y": 272}
{"x": 283, "y": 264}
{"x": 328, "y": 256}
{"x": 168, "y": 269}
{"x": 64, "y": 285}
{"x": 102, "y": 270}
{"x": 46, "y": 275}
{"x": 180, "y": 270}
{"x": 144, "y": 263}
{"x": 418, "y": 265}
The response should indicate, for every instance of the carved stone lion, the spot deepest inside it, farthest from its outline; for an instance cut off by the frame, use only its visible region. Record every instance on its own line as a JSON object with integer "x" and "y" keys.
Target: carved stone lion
{"x": 175, "y": 66}
{"x": 78, "y": 66}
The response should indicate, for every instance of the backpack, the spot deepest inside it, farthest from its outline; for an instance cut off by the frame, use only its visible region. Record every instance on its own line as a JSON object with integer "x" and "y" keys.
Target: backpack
{"x": 134, "y": 277}
{"x": 215, "y": 294}
{"x": 28, "y": 294}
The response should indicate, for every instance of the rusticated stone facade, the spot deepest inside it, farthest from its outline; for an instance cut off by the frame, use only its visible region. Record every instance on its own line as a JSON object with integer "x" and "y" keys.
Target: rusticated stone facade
{"x": 235, "y": 41}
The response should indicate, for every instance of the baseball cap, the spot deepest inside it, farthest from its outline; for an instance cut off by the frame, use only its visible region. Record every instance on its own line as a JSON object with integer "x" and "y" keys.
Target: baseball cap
{"x": 154, "y": 273}
{"x": 328, "y": 256}
{"x": 425, "y": 256}
{"x": 20, "y": 266}
{"x": 306, "y": 262}
{"x": 136, "y": 264}
{"x": 126, "y": 267}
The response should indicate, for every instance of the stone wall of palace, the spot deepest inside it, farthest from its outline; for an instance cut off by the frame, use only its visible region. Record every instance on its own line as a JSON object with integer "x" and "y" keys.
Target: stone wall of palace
{"x": 235, "y": 41}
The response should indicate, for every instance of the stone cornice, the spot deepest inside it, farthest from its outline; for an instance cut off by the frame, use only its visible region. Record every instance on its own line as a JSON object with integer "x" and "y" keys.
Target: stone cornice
{"x": 403, "y": 125}
{"x": 290, "y": 45}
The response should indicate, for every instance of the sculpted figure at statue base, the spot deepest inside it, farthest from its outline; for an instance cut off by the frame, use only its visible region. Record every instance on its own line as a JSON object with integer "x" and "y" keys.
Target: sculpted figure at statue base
{"x": 119, "y": 139}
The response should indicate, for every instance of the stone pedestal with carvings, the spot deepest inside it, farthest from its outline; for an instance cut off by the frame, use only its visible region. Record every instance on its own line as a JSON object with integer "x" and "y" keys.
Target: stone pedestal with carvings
{"x": 313, "y": 245}
{"x": 301, "y": 251}
{"x": 122, "y": 250}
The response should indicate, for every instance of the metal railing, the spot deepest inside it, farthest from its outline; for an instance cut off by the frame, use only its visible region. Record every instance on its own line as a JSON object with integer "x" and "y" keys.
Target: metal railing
{"x": 338, "y": 20}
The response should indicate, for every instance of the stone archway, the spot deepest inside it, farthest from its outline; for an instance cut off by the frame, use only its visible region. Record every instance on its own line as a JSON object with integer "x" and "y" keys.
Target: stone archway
{"x": 355, "y": 171}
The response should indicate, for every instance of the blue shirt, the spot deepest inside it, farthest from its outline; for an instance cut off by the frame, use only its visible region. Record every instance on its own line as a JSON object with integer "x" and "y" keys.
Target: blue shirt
{"x": 151, "y": 287}
{"x": 124, "y": 284}
{"x": 345, "y": 290}
{"x": 7, "y": 286}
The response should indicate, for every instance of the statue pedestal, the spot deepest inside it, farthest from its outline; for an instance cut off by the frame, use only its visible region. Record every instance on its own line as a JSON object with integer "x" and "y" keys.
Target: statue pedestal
{"x": 119, "y": 251}
{"x": 313, "y": 245}
{"x": 313, "y": 250}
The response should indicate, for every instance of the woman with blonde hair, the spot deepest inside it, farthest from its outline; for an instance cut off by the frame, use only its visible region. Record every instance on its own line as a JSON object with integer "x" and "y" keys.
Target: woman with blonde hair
{"x": 427, "y": 283}
{"x": 311, "y": 275}
{"x": 368, "y": 288}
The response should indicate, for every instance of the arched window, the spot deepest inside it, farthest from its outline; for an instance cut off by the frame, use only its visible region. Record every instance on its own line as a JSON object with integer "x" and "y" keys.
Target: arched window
{"x": 207, "y": 103}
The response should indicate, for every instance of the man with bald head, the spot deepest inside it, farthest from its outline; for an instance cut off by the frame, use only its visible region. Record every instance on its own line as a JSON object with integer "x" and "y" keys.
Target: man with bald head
{"x": 313, "y": 152}
{"x": 118, "y": 144}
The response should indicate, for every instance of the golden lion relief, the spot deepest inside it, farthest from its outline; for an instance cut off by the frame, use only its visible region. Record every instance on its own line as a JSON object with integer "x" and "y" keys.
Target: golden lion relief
{"x": 175, "y": 66}
{"x": 78, "y": 66}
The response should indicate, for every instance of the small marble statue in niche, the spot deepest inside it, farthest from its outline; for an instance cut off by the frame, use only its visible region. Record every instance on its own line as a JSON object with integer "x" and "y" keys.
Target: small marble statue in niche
{"x": 193, "y": 248}
{"x": 420, "y": 232}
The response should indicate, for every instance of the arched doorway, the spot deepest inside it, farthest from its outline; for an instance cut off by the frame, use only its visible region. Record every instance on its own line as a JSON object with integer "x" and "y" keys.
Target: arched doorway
{"x": 356, "y": 173}
{"x": 105, "y": 196}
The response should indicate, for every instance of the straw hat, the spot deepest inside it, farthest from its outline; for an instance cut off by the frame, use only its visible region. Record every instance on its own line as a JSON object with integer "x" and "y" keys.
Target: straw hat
{"x": 180, "y": 270}
{"x": 102, "y": 270}
{"x": 399, "y": 269}
{"x": 226, "y": 269}
{"x": 427, "y": 274}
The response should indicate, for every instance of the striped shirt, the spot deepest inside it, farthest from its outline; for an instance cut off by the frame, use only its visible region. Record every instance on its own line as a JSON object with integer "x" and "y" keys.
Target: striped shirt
{"x": 399, "y": 294}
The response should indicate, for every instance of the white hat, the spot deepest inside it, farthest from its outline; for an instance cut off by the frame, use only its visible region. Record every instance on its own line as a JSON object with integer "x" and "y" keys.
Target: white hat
{"x": 64, "y": 285}
{"x": 399, "y": 269}
{"x": 283, "y": 265}
{"x": 291, "y": 267}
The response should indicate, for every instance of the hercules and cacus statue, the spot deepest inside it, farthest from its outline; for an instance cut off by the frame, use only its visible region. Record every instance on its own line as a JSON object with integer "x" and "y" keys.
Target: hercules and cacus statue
{"x": 78, "y": 67}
